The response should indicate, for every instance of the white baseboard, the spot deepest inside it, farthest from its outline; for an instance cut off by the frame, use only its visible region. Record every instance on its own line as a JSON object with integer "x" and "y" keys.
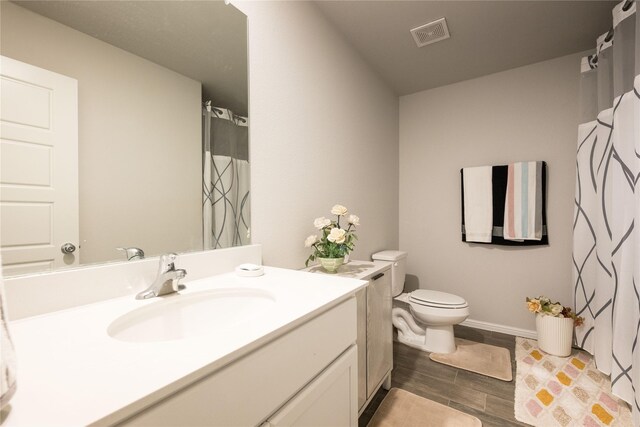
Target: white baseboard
{"x": 526, "y": 333}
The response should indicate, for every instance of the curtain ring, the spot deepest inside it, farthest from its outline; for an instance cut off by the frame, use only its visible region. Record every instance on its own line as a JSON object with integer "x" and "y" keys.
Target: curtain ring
{"x": 609, "y": 36}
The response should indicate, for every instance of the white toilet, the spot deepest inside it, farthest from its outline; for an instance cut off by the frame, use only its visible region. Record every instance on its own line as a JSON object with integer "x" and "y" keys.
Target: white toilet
{"x": 424, "y": 319}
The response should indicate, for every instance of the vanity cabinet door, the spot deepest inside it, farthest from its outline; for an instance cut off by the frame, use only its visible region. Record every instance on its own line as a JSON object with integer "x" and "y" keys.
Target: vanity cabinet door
{"x": 329, "y": 400}
{"x": 361, "y": 301}
{"x": 379, "y": 330}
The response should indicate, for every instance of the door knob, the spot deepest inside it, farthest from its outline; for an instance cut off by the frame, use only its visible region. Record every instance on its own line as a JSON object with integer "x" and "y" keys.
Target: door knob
{"x": 68, "y": 248}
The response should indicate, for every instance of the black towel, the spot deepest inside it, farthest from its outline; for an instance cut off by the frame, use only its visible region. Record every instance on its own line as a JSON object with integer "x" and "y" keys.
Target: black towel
{"x": 499, "y": 186}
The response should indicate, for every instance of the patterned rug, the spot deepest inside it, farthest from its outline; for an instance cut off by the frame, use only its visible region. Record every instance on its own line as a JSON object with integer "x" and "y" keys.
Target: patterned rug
{"x": 564, "y": 391}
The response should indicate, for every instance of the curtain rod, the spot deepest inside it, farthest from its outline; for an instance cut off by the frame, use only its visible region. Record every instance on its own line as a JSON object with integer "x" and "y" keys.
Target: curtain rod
{"x": 627, "y": 4}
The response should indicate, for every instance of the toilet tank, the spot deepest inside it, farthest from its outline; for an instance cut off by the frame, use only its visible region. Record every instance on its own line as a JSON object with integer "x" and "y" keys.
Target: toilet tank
{"x": 398, "y": 268}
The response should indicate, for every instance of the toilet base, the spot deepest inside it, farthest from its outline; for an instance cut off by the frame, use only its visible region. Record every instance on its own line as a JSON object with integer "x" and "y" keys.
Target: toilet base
{"x": 436, "y": 339}
{"x": 430, "y": 331}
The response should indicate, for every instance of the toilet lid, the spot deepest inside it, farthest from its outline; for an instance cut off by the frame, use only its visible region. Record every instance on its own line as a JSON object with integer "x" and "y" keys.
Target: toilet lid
{"x": 437, "y": 299}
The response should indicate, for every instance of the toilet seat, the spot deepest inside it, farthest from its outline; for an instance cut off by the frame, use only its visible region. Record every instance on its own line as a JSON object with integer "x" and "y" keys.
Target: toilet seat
{"x": 437, "y": 299}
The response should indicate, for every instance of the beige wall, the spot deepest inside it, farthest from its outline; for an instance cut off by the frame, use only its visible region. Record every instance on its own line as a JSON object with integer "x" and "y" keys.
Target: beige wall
{"x": 528, "y": 113}
{"x": 149, "y": 194}
{"x": 324, "y": 130}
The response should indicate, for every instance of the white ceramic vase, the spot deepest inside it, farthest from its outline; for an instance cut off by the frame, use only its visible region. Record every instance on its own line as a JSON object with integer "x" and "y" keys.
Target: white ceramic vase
{"x": 555, "y": 334}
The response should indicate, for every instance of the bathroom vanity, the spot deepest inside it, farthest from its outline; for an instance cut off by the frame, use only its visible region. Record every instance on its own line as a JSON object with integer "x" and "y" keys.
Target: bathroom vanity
{"x": 279, "y": 349}
{"x": 292, "y": 380}
{"x": 375, "y": 331}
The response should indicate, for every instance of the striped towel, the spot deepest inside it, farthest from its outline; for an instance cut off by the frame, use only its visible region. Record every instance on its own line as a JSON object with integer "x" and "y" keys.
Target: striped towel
{"x": 523, "y": 205}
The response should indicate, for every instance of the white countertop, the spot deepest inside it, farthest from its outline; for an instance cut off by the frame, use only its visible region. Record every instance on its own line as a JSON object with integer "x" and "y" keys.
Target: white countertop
{"x": 71, "y": 372}
{"x": 354, "y": 269}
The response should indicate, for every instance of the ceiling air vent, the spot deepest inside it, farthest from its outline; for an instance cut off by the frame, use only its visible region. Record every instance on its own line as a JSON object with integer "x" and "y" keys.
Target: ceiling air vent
{"x": 431, "y": 32}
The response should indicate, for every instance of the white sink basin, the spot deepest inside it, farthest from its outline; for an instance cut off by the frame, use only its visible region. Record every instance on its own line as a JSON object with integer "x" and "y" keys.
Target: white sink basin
{"x": 178, "y": 316}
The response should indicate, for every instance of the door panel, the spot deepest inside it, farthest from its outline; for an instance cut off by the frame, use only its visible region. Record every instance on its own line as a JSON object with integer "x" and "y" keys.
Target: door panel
{"x": 26, "y": 223}
{"x": 24, "y": 103}
{"x": 16, "y": 154}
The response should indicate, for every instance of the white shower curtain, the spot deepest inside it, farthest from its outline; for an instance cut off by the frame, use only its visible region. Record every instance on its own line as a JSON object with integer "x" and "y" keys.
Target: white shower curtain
{"x": 225, "y": 185}
{"x": 606, "y": 242}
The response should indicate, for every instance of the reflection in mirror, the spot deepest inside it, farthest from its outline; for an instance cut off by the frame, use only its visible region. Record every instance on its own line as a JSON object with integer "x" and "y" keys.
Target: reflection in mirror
{"x": 123, "y": 125}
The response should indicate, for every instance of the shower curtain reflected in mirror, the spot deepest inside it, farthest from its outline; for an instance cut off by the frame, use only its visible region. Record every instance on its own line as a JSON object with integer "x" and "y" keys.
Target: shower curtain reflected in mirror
{"x": 225, "y": 185}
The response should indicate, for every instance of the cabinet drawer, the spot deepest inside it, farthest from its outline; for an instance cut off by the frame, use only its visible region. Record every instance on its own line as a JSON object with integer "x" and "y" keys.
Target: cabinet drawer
{"x": 250, "y": 389}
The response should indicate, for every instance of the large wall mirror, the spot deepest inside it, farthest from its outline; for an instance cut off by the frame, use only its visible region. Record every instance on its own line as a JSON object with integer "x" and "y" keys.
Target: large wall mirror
{"x": 123, "y": 125}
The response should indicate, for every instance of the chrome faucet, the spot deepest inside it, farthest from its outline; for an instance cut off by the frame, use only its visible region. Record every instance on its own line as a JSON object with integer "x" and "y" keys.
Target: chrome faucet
{"x": 167, "y": 280}
{"x": 132, "y": 253}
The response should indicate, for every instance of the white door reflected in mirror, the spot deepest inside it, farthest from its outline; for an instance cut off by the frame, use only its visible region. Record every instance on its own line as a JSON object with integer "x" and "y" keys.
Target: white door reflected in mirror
{"x": 39, "y": 171}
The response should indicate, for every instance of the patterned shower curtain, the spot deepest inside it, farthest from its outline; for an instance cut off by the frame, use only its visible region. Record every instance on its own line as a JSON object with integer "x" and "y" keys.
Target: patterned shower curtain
{"x": 606, "y": 239}
{"x": 225, "y": 183}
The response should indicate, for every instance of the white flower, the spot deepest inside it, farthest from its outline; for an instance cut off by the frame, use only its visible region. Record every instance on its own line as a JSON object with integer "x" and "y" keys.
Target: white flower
{"x": 337, "y": 235}
{"x": 339, "y": 210}
{"x": 310, "y": 241}
{"x": 321, "y": 222}
{"x": 556, "y": 309}
{"x": 354, "y": 219}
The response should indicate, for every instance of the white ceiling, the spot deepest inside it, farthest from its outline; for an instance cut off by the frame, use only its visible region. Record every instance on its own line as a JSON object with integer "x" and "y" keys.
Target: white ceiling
{"x": 486, "y": 36}
{"x": 203, "y": 40}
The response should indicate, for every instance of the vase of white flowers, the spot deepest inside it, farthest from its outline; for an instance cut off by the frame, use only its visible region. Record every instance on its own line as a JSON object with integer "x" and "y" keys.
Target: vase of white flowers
{"x": 554, "y": 324}
{"x": 334, "y": 242}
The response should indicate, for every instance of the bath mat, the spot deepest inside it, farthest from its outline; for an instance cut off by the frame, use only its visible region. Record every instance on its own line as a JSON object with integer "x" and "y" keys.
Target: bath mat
{"x": 403, "y": 409}
{"x": 564, "y": 391}
{"x": 483, "y": 359}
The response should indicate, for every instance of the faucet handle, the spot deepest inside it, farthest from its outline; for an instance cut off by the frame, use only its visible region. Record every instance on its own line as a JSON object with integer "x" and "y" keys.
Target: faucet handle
{"x": 167, "y": 262}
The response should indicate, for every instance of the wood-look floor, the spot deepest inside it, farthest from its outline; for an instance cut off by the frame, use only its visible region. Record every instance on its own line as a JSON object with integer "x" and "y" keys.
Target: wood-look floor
{"x": 489, "y": 399}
